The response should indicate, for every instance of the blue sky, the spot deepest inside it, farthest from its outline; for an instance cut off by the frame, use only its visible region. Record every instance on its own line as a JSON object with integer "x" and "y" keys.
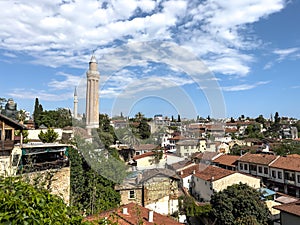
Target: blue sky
{"x": 217, "y": 58}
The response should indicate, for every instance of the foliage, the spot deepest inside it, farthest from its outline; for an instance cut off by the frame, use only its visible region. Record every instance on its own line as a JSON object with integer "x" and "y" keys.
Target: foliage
{"x": 94, "y": 173}
{"x": 24, "y": 133}
{"x": 287, "y": 147}
{"x": 253, "y": 131}
{"x": 178, "y": 118}
{"x": 22, "y": 203}
{"x": 38, "y": 109}
{"x": 105, "y": 132}
{"x": 58, "y": 118}
{"x": 144, "y": 130}
{"x": 49, "y": 136}
{"x": 260, "y": 119}
{"x": 238, "y": 203}
{"x": 188, "y": 206}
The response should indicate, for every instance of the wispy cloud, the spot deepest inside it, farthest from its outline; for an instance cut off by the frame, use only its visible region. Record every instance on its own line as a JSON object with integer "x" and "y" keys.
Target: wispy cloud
{"x": 285, "y": 53}
{"x": 244, "y": 87}
{"x": 41, "y": 94}
{"x": 69, "y": 82}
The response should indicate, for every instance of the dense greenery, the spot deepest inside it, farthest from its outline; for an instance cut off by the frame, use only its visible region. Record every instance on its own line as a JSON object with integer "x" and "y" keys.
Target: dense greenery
{"x": 188, "y": 207}
{"x": 58, "y": 118}
{"x": 22, "y": 203}
{"x": 94, "y": 173}
{"x": 49, "y": 136}
{"x": 239, "y": 204}
{"x": 105, "y": 132}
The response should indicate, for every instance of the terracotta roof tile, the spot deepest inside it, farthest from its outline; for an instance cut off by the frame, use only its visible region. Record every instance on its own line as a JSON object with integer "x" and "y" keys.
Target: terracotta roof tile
{"x": 263, "y": 159}
{"x": 181, "y": 164}
{"x": 189, "y": 170}
{"x": 213, "y": 172}
{"x": 227, "y": 160}
{"x": 147, "y": 154}
{"x": 292, "y": 208}
{"x": 145, "y": 147}
{"x": 205, "y": 155}
{"x": 135, "y": 214}
{"x": 290, "y": 162}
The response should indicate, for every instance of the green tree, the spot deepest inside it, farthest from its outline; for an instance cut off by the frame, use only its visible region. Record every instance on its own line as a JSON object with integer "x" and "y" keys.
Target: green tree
{"x": 276, "y": 118}
{"x": 237, "y": 203}
{"x": 58, "y": 118}
{"x": 38, "y": 109}
{"x": 144, "y": 130}
{"x": 178, "y": 118}
{"x": 188, "y": 207}
{"x": 22, "y": 203}
{"x": 49, "y": 136}
{"x": 94, "y": 174}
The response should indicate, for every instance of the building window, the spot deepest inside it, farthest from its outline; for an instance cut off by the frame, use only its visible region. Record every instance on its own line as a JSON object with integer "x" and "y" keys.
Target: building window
{"x": 273, "y": 174}
{"x": 298, "y": 178}
{"x": 131, "y": 194}
{"x": 185, "y": 147}
{"x": 279, "y": 175}
{"x": 246, "y": 166}
{"x": 260, "y": 169}
{"x": 241, "y": 166}
{"x": 266, "y": 171}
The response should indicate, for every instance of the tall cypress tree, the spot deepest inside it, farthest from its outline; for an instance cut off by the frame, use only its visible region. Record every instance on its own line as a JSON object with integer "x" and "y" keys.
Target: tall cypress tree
{"x": 38, "y": 109}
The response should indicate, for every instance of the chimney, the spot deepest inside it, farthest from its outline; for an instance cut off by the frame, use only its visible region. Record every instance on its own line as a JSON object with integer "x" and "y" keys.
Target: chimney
{"x": 150, "y": 218}
{"x": 125, "y": 211}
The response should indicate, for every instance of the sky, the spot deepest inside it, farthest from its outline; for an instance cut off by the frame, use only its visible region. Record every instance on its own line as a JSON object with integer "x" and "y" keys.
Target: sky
{"x": 193, "y": 57}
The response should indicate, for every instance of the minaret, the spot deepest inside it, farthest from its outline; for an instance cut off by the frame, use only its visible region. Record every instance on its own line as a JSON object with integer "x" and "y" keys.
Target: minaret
{"x": 92, "y": 95}
{"x": 75, "y": 110}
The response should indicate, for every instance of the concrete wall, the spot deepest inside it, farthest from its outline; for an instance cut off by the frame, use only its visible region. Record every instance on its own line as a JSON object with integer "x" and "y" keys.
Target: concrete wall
{"x": 148, "y": 163}
{"x": 165, "y": 206}
{"x": 235, "y": 178}
{"x": 33, "y": 135}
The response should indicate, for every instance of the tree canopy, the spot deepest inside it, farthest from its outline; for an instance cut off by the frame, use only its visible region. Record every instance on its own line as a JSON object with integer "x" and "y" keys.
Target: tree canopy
{"x": 22, "y": 203}
{"x": 49, "y": 136}
{"x": 94, "y": 173}
{"x": 239, "y": 204}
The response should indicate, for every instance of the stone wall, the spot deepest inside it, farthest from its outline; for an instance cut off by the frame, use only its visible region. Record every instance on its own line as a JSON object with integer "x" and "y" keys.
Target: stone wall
{"x": 57, "y": 181}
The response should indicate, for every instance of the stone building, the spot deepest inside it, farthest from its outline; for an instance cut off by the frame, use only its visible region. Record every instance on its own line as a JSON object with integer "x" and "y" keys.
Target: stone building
{"x": 155, "y": 189}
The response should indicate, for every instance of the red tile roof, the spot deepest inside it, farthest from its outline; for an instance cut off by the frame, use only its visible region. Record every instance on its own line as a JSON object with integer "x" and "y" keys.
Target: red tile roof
{"x": 291, "y": 208}
{"x": 213, "y": 172}
{"x": 135, "y": 214}
{"x": 147, "y": 154}
{"x": 190, "y": 170}
{"x": 227, "y": 160}
{"x": 290, "y": 162}
{"x": 262, "y": 159}
{"x": 205, "y": 155}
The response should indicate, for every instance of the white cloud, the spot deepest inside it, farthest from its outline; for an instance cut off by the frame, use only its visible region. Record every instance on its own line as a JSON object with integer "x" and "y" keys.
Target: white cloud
{"x": 69, "y": 82}
{"x": 41, "y": 94}
{"x": 244, "y": 87}
{"x": 57, "y": 33}
{"x": 284, "y": 53}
